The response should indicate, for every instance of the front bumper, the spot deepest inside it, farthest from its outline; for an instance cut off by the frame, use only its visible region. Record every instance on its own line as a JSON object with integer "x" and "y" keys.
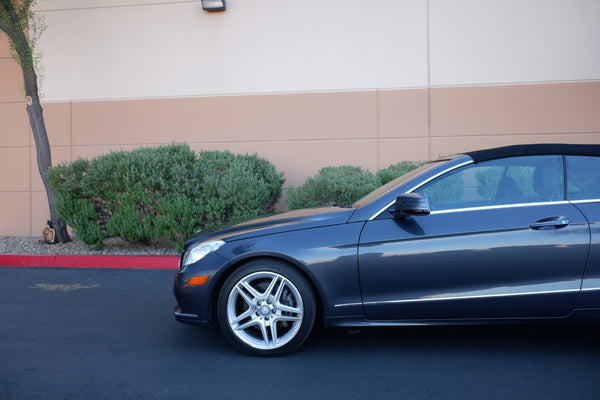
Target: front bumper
{"x": 195, "y": 302}
{"x": 190, "y": 319}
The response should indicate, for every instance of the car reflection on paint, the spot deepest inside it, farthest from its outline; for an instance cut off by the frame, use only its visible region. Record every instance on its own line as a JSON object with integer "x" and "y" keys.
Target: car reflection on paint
{"x": 500, "y": 235}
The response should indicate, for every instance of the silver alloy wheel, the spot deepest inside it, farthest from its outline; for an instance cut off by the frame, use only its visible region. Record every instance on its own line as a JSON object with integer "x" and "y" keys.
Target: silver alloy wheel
{"x": 265, "y": 310}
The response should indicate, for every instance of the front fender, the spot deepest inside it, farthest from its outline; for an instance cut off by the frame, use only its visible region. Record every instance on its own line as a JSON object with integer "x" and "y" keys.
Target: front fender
{"x": 326, "y": 255}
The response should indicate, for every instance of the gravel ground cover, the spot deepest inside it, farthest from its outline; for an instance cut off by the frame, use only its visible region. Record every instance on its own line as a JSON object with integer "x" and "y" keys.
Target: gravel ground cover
{"x": 33, "y": 245}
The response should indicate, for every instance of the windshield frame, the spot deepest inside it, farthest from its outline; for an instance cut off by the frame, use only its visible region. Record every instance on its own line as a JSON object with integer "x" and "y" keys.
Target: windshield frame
{"x": 387, "y": 198}
{"x": 392, "y": 185}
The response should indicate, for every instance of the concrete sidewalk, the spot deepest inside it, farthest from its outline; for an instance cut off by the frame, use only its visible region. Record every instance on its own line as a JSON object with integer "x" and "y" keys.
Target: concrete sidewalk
{"x": 90, "y": 261}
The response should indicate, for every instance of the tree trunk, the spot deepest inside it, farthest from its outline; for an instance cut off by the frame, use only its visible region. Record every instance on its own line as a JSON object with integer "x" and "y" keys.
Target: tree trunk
{"x": 14, "y": 22}
{"x": 44, "y": 161}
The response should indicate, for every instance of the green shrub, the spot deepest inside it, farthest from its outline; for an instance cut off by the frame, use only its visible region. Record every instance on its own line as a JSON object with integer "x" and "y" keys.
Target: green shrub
{"x": 396, "y": 170}
{"x": 333, "y": 186}
{"x": 168, "y": 191}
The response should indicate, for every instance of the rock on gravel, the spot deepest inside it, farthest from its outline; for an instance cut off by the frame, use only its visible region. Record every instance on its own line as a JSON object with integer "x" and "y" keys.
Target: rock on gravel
{"x": 33, "y": 245}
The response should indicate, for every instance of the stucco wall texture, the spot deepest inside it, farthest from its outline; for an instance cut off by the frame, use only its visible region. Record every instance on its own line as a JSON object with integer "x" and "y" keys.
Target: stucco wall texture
{"x": 304, "y": 122}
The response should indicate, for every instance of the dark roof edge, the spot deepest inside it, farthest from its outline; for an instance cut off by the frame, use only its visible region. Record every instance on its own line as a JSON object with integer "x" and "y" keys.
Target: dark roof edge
{"x": 535, "y": 149}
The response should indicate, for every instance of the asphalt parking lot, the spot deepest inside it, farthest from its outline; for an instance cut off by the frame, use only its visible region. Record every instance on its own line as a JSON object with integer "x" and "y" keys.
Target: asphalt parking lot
{"x": 110, "y": 334}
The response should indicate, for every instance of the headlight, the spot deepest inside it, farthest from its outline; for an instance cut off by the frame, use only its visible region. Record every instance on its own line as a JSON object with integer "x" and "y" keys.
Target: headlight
{"x": 200, "y": 250}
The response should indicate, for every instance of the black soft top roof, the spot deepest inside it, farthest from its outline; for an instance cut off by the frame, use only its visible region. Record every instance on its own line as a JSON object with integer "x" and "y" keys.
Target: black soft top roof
{"x": 535, "y": 150}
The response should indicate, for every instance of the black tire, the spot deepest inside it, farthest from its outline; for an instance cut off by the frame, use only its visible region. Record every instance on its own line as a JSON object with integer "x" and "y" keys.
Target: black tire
{"x": 266, "y": 308}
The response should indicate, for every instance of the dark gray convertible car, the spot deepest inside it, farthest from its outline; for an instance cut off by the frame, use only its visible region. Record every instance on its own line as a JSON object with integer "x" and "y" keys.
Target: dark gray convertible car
{"x": 504, "y": 235}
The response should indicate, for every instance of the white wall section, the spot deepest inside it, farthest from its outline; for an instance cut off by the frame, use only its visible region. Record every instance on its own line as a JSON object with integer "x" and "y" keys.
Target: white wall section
{"x": 111, "y": 49}
{"x": 148, "y": 49}
{"x": 475, "y": 42}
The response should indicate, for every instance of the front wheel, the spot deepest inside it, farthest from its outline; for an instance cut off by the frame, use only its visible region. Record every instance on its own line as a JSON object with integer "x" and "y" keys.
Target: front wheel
{"x": 266, "y": 308}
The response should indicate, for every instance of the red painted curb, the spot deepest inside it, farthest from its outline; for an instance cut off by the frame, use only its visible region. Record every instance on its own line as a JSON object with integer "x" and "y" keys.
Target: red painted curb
{"x": 84, "y": 261}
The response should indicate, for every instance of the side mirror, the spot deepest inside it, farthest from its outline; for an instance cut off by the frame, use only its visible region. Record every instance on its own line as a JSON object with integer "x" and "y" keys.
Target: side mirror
{"x": 411, "y": 204}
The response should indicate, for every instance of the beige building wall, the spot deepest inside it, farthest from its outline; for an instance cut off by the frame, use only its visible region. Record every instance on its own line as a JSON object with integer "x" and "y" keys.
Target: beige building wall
{"x": 448, "y": 79}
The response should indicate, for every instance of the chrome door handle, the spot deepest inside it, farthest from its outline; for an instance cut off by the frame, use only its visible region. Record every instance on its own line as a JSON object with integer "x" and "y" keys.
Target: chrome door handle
{"x": 550, "y": 223}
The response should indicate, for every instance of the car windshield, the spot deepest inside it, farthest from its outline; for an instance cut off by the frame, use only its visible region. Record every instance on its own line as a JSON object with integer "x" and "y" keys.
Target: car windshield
{"x": 392, "y": 185}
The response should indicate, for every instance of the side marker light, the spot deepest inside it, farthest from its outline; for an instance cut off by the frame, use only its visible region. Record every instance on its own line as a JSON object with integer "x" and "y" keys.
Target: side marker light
{"x": 197, "y": 280}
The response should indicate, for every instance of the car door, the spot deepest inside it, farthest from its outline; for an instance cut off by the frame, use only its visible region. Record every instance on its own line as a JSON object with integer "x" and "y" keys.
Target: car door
{"x": 500, "y": 242}
{"x": 583, "y": 191}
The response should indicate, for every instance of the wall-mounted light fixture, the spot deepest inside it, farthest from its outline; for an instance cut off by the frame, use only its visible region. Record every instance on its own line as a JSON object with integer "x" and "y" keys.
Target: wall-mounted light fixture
{"x": 213, "y": 5}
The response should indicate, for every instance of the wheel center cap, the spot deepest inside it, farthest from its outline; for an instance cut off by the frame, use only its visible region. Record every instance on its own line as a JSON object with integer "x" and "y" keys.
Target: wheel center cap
{"x": 265, "y": 310}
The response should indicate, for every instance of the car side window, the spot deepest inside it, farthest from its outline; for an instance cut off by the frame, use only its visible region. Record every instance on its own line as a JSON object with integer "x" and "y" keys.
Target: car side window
{"x": 583, "y": 177}
{"x": 512, "y": 180}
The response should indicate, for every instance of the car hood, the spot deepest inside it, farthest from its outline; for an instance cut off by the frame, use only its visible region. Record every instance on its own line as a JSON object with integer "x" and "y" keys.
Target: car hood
{"x": 288, "y": 221}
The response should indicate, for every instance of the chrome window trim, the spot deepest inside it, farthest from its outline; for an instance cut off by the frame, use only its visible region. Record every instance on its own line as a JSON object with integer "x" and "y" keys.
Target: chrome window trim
{"x": 499, "y": 206}
{"x": 421, "y": 184}
{"x": 494, "y": 207}
{"x": 584, "y": 201}
{"x": 592, "y": 289}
